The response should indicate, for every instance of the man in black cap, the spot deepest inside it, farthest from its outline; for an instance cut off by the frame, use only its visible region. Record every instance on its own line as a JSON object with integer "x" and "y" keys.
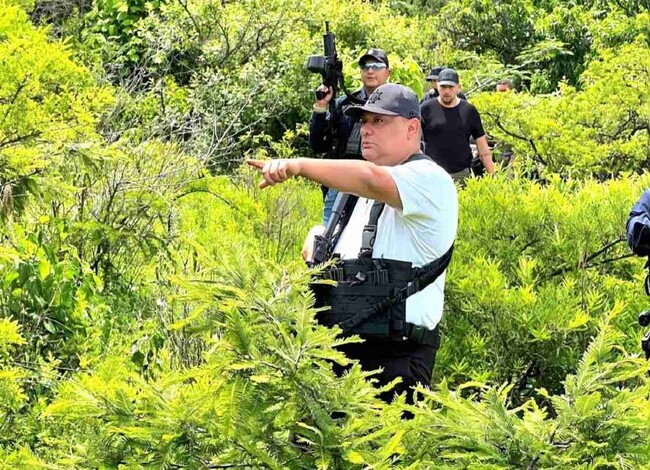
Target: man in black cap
{"x": 448, "y": 124}
{"x": 432, "y": 79}
{"x": 396, "y": 237}
{"x": 345, "y": 142}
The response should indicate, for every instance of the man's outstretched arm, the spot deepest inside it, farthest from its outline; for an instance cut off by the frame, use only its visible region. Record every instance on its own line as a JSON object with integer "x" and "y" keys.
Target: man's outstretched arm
{"x": 357, "y": 177}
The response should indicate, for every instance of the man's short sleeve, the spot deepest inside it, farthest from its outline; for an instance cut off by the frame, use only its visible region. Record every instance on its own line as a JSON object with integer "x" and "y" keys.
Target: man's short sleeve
{"x": 425, "y": 189}
{"x": 476, "y": 125}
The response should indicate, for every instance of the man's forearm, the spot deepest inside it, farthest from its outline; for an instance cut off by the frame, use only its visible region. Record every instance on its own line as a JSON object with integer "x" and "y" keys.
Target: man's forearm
{"x": 358, "y": 177}
{"x": 487, "y": 162}
{"x": 318, "y": 133}
{"x": 484, "y": 154}
{"x": 349, "y": 176}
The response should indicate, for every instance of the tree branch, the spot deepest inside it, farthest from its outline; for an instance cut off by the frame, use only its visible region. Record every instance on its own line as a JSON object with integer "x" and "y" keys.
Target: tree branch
{"x": 196, "y": 26}
{"x": 16, "y": 140}
{"x": 602, "y": 250}
{"x": 530, "y": 141}
{"x": 13, "y": 99}
{"x": 584, "y": 264}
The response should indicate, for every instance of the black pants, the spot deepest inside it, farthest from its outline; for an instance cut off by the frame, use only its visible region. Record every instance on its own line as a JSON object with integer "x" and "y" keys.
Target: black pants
{"x": 409, "y": 360}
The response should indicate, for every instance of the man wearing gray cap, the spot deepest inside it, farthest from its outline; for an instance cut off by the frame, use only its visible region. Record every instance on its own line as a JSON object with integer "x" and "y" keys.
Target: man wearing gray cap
{"x": 392, "y": 245}
{"x": 448, "y": 124}
{"x": 345, "y": 140}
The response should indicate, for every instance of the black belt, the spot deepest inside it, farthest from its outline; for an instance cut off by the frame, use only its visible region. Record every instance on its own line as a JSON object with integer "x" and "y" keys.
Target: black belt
{"x": 422, "y": 335}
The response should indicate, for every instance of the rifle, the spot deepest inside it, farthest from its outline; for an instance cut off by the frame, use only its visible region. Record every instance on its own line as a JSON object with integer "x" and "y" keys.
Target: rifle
{"x": 324, "y": 244}
{"x": 329, "y": 66}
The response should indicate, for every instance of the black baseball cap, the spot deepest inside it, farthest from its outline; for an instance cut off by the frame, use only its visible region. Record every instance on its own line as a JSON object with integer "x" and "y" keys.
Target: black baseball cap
{"x": 435, "y": 72}
{"x": 448, "y": 77}
{"x": 374, "y": 54}
{"x": 389, "y": 99}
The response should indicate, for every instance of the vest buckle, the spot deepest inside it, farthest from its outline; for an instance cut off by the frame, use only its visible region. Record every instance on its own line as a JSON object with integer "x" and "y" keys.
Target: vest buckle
{"x": 412, "y": 288}
{"x": 368, "y": 237}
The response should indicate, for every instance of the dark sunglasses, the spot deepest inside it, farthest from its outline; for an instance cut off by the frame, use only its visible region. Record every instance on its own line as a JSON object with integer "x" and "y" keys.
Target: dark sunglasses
{"x": 373, "y": 66}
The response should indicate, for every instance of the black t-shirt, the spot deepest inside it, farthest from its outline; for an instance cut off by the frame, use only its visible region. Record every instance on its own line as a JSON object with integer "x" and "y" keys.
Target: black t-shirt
{"x": 447, "y": 131}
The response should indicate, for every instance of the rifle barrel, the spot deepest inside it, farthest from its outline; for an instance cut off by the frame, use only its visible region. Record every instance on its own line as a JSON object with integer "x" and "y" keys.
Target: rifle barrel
{"x": 335, "y": 215}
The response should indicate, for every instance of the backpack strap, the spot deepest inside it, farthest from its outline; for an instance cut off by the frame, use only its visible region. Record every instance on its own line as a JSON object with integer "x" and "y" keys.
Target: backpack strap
{"x": 370, "y": 230}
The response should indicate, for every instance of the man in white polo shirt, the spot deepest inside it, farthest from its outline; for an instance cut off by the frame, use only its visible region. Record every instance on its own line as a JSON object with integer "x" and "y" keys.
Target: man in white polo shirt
{"x": 393, "y": 245}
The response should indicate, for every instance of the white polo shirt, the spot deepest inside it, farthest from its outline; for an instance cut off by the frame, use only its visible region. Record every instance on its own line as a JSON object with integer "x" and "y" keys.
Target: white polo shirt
{"x": 421, "y": 232}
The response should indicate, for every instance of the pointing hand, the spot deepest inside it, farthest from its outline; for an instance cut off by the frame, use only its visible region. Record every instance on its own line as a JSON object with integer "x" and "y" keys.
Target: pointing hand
{"x": 275, "y": 171}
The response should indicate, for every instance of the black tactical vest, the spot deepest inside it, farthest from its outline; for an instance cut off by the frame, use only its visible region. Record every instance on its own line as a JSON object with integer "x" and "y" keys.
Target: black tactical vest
{"x": 369, "y": 298}
{"x": 347, "y": 140}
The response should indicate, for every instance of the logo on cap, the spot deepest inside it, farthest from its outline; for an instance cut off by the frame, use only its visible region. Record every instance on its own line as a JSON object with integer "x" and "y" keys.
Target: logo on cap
{"x": 375, "y": 97}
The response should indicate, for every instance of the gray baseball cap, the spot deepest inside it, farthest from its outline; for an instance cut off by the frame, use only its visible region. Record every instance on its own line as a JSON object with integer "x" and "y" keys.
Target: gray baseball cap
{"x": 434, "y": 74}
{"x": 448, "y": 77}
{"x": 389, "y": 99}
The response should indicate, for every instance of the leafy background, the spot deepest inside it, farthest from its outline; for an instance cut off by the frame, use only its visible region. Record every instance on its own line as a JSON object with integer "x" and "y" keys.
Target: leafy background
{"x": 154, "y": 309}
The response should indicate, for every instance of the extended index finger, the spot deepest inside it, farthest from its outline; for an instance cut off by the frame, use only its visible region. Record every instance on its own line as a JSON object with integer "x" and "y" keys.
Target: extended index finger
{"x": 256, "y": 163}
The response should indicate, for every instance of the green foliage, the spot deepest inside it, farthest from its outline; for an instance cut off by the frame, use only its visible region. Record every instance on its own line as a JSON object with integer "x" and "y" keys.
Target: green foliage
{"x": 118, "y": 209}
{"x": 244, "y": 377}
{"x": 545, "y": 42}
{"x": 502, "y": 27}
{"x": 476, "y": 427}
{"x": 618, "y": 29}
{"x": 17, "y": 379}
{"x": 534, "y": 270}
{"x": 11, "y": 391}
{"x": 115, "y": 21}
{"x": 264, "y": 393}
{"x": 234, "y": 59}
{"x": 601, "y": 130}
{"x": 570, "y": 27}
{"x": 48, "y": 105}
{"x": 154, "y": 309}
{"x": 52, "y": 295}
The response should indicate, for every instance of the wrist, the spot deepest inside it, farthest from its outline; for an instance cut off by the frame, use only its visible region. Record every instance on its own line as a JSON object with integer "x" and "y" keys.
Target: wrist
{"x": 319, "y": 108}
{"x": 295, "y": 166}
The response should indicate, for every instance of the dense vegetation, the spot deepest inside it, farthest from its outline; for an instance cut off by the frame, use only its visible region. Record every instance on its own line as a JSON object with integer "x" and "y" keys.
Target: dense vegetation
{"x": 154, "y": 309}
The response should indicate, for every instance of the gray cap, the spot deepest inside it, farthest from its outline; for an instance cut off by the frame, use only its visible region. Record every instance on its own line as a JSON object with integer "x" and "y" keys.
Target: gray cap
{"x": 448, "y": 77}
{"x": 435, "y": 73}
{"x": 389, "y": 99}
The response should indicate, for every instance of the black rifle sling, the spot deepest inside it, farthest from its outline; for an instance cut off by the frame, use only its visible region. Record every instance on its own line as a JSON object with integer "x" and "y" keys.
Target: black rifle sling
{"x": 345, "y": 217}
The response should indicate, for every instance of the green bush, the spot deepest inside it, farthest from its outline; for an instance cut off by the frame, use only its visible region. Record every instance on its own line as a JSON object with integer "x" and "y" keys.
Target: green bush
{"x": 54, "y": 298}
{"x": 533, "y": 274}
{"x": 600, "y": 130}
{"x": 49, "y": 105}
{"x": 155, "y": 309}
